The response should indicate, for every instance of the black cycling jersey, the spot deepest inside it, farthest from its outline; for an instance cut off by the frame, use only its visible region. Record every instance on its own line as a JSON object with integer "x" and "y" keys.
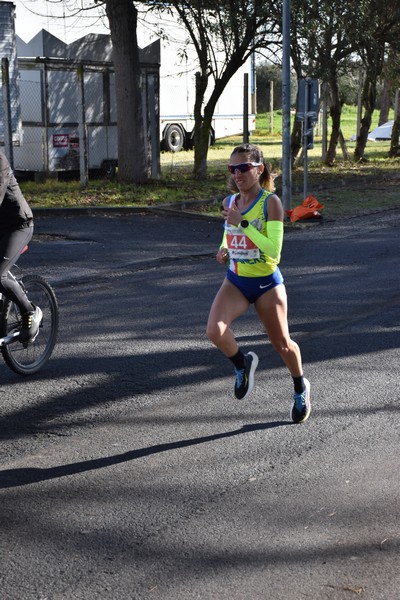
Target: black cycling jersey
{"x": 14, "y": 209}
{"x": 16, "y": 229}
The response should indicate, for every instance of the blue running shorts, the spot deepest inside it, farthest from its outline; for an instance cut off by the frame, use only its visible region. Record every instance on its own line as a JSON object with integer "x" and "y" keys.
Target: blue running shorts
{"x": 254, "y": 287}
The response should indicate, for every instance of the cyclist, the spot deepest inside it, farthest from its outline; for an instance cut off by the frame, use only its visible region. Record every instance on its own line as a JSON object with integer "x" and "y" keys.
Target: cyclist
{"x": 251, "y": 249}
{"x": 16, "y": 230}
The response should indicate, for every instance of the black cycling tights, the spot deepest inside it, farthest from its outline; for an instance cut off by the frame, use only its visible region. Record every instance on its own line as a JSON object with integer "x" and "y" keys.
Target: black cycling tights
{"x": 11, "y": 245}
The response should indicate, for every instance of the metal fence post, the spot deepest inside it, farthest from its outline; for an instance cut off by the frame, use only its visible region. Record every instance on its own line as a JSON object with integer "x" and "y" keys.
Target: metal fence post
{"x": 45, "y": 117}
{"x": 271, "y": 106}
{"x": 286, "y": 145}
{"x": 246, "y": 108}
{"x": 83, "y": 154}
{"x": 305, "y": 139}
{"x": 153, "y": 127}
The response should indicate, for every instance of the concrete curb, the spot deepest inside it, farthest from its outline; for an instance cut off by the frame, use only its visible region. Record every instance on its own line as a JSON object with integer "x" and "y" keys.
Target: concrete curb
{"x": 179, "y": 209}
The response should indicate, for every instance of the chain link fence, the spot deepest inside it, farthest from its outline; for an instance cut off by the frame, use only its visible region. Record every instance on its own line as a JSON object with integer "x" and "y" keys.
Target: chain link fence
{"x": 68, "y": 119}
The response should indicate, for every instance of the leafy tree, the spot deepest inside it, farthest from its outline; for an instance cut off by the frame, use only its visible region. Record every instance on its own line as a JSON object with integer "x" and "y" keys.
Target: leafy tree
{"x": 224, "y": 35}
{"x": 374, "y": 29}
{"x": 265, "y": 73}
{"x": 349, "y": 85}
{"x": 322, "y": 49}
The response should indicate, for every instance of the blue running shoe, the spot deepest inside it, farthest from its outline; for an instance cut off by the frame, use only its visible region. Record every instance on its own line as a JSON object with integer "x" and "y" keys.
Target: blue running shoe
{"x": 301, "y": 405}
{"x": 245, "y": 377}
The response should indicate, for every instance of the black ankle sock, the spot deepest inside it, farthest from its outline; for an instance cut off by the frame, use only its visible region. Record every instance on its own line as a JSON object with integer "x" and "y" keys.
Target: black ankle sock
{"x": 299, "y": 385}
{"x": 238, "y": 359}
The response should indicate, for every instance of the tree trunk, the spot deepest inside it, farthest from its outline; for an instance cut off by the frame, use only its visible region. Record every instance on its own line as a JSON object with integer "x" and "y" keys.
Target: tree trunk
{"x": 296, "y": 142}
{"x": 386, "y": 101}
{"x": 203, "y": 123}
{"x": 369, "y": 99}
{"x": 335, "y": 113}
{"x": 201, "y": 148}
{"x": 343, "y": 146}
{"x": 201, "y": 133}
{"x": 132, "y": 151}
{"x": 394, "y": 142}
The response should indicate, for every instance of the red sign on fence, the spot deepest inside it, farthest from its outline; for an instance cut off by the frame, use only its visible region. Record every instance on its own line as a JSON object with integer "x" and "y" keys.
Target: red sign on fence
{"x": 60, "y": 140}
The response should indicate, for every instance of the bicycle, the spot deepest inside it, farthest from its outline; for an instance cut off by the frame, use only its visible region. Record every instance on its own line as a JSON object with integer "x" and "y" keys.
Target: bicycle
{"x": 28, "y": 358}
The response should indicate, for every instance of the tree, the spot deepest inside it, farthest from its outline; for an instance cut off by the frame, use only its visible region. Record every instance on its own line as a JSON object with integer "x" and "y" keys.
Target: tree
{"x": 374, "y": 31}
{"x": 322, "y": 49}
{"x": 386, "y": 100}
{"x": 224, "y": 35}
{"x": 266, "y": 72}
{"x": 393, "y": 72}
{"x": 132, "y": 149}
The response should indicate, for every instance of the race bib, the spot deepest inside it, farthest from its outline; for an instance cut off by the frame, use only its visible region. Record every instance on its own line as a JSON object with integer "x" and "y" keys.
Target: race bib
{"x": 240, "y": 246}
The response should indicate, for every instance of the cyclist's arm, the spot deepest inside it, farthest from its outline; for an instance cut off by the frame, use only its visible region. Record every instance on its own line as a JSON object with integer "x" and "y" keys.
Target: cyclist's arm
{"x": 4, "y": 175}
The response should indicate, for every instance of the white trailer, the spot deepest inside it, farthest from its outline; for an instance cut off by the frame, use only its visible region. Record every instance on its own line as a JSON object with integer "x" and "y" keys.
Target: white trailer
{"x": 68, "y": 103}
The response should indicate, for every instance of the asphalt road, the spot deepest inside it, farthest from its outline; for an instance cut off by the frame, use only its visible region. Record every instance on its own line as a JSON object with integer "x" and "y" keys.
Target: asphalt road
{"x": 129, "y": 471}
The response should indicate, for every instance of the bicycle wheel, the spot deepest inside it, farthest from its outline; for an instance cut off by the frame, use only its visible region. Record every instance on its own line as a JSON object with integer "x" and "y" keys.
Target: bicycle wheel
{"x": 26, "y": 359}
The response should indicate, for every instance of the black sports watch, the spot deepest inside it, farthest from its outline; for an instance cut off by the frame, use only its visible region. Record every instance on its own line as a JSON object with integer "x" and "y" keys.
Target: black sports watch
{"x": 244, "y": 223}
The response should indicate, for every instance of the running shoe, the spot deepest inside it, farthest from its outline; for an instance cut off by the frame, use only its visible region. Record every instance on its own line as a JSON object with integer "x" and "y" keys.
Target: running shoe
{"x": 30, "y": 325}
{"x": 301, "y": 405}
{"x": 245, "y": 377}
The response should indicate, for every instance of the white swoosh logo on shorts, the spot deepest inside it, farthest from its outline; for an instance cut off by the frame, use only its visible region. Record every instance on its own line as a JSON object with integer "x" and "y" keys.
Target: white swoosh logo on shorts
{"x": 262, "y": 287}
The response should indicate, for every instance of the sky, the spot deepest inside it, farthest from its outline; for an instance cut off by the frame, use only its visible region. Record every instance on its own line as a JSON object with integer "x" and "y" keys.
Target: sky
{"x": 55, "y": 17}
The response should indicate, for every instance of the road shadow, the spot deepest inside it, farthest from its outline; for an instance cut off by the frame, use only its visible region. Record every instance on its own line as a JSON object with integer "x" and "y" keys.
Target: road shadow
{"x": 25, "y": 476}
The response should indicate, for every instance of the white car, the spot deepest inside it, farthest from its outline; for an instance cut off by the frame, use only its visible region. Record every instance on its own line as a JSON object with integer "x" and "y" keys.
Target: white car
{"x": 383, "y": 132}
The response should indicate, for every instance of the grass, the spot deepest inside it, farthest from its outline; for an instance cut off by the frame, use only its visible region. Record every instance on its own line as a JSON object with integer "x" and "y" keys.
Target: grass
{"x": 345, "y": 189}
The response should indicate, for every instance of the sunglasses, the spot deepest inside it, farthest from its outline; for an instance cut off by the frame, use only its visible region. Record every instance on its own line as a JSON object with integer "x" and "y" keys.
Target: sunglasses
{"x": 243, "y": 167}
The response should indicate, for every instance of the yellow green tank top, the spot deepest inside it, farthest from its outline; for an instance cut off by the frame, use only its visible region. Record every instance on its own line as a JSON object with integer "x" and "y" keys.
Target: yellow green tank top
{"x": 245, "y": 259}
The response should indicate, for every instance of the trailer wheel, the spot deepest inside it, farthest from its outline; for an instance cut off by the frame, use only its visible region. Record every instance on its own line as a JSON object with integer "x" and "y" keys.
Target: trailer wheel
{"x": 173, "y": 138}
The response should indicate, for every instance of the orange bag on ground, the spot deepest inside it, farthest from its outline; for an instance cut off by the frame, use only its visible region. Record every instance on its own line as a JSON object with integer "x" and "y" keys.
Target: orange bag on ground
{"x": 309, "y": 209}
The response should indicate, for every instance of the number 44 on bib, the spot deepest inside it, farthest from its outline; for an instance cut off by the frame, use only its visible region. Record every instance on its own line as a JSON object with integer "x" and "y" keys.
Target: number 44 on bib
{"x": 240, "y": 246}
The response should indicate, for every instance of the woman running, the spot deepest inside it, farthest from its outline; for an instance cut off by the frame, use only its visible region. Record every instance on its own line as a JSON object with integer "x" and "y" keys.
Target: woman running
{"x": 251, "y": 248}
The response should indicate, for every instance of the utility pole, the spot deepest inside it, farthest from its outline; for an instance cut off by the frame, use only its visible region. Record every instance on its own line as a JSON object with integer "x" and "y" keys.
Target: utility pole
{"x": 271, "y": 106}
{"x": 246, "y": 108}
{"x": 307, "y": 112}
{"x": 286, "y": 147}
